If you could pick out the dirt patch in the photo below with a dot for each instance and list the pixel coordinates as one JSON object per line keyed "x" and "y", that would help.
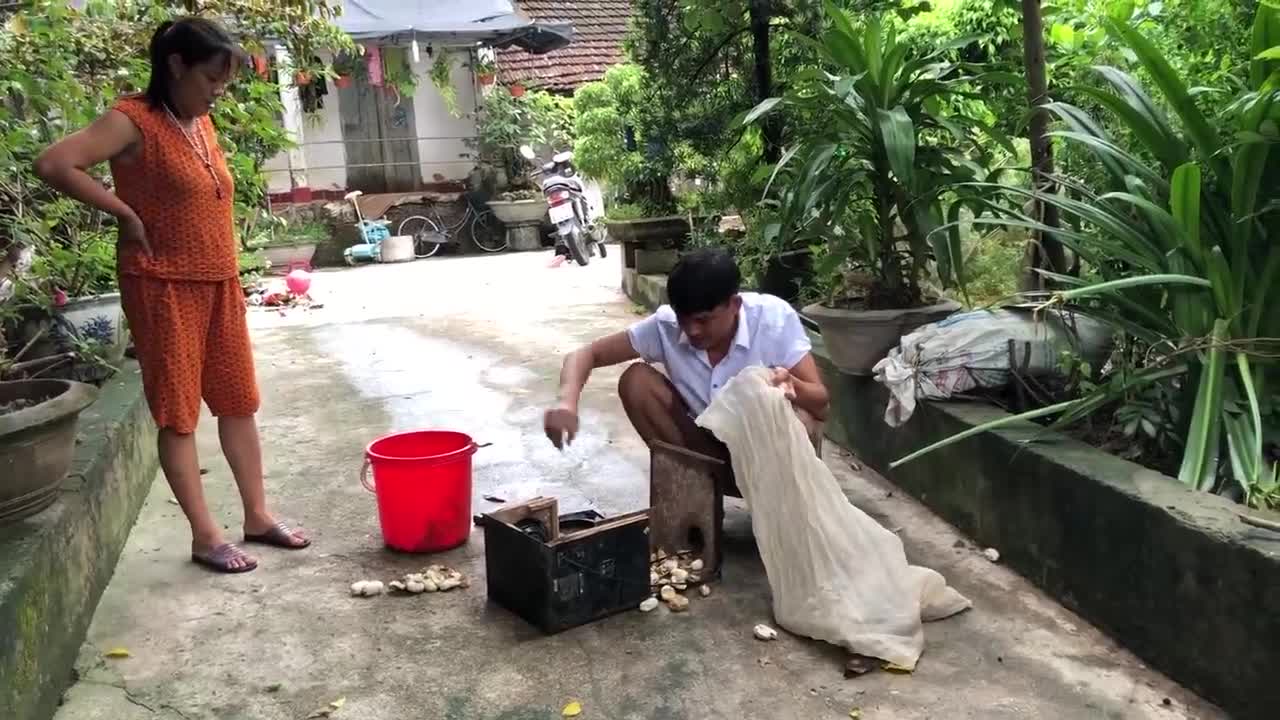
{"x": 14, "y": 406}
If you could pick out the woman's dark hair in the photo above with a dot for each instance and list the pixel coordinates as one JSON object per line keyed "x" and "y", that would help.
{"x": 702, "y": 281}
{"x": 195, "y": 40}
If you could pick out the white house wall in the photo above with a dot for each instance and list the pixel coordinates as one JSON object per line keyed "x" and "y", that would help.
{"x": 442, "y": 151}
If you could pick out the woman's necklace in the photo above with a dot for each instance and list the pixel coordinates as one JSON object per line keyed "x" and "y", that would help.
{"x": 201, "y": 150}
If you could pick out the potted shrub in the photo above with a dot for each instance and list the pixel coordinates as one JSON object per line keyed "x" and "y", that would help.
{"x": 38, "y": 421}
{"x": 68, "y": 307}
{"x": 288, "y": 245}
{"x": 865, "y": 184}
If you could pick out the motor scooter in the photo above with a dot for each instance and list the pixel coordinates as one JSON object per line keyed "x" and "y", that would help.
{"x": 567, "y": 206}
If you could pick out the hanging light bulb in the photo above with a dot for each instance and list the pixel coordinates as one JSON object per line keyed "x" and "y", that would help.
{"x": 416, "y": 56}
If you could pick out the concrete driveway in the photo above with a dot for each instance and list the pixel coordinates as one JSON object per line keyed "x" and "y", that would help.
{"x": 475, "y": 344}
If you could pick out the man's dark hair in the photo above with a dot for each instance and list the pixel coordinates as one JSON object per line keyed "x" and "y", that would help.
{"x": 195, "y": 40}
{"x": 703, "y": 280}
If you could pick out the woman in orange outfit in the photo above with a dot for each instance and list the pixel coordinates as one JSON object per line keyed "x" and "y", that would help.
{"x": 179, "y": 275}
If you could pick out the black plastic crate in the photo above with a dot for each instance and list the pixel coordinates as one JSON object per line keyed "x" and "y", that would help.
{"x": 557, "y": 581}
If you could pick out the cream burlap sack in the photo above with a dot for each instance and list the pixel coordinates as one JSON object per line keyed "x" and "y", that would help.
{"x": 836, "y": 574}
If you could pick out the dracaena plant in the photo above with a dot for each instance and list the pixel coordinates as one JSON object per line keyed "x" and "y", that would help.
{"x": 1185, "y": 237}
{"x": 873, "y": 161}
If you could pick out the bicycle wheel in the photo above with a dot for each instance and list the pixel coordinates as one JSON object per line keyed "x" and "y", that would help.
{"x": 427, "y": 237}
{"x": 485, "y": 235}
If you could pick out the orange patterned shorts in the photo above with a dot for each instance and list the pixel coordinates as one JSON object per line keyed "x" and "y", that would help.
{"x": 192, "y": 343}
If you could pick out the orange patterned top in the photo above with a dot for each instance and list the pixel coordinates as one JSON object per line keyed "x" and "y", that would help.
{"x": 189, "y": 225}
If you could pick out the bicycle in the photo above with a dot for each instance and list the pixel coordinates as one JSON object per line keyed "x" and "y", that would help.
{"x": 430, "y": 233}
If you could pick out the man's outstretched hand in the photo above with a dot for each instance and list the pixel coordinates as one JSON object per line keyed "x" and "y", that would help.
{"x": 561, "y": 426}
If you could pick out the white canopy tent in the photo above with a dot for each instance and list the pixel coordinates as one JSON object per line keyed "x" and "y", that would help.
{"x": 474, "y": 22}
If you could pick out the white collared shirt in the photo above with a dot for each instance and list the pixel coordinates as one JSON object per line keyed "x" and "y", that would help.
{"x": 769, "y": 335}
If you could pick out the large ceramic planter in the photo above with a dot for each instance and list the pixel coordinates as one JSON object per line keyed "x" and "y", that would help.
{"x": 519, "y": 212}
{"x": 857, "y": 339}
{"x": 37, "y": 441}
{"x": 660, "y": 233}
{"x": 99, "y": 319}
{"x": 284, "y": 258}
{"x": 786, "y": 274}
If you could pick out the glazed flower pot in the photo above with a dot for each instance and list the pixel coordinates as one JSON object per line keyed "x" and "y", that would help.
{"x": 99, "y": 319}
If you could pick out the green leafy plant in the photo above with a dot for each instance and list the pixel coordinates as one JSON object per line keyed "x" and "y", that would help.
{"x": 1188, "y": 254}
{"x": 442, "y": 78}
{"x": 616, "y": 143}
{"x": 868, "y": 176}
{"x": 65, "y": 65}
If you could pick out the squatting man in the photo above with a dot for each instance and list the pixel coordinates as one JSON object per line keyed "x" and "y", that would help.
{"x": 710, "y": 332}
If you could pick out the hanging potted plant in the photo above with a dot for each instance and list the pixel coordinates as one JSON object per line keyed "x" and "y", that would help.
{"x": 345, "y": 68}
{"x": 516, "y": 89}
{"x": 442, "y": 79}
{"x": 866, "y": 190}
{"x": 486, "y": 73}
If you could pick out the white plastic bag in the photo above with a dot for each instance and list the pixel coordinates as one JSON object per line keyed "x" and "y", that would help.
{"x": 971, "y": 350}
{"x": 836, "y": 574}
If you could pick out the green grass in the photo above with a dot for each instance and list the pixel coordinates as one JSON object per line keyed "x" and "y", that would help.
{"x": 294, "y": 234}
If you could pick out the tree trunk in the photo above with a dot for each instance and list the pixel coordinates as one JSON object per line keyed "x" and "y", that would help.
{"x": 761, "y": 12}
{"x": 1046, "y": 252}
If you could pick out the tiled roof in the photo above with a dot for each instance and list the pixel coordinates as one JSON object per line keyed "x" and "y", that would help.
{"x": 598, "y": 29}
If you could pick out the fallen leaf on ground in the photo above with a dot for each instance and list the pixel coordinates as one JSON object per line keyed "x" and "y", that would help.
{"x": 898, "y": 669}
{"x": 856, "y": 714}
{"x": 274, "y": 687}
{"x": 326, "y": 712}
{"x": 573, "y": 709}
{"x": 117, "y": 653}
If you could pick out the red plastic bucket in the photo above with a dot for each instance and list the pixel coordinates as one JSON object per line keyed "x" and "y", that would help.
{"x": 422, "y": 480}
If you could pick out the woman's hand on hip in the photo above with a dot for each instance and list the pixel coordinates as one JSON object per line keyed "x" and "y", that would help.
{"x": 133, "y": 231}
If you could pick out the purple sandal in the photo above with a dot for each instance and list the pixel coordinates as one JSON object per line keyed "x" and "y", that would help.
{"x": 219, "y": 559}
{"x": 279, "y": 535}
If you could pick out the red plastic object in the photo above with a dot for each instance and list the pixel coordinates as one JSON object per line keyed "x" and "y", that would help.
{"x": 298, "y": 281}
{"x": 422, "y": 480}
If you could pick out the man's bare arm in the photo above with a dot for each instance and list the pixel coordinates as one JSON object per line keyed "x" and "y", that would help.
{"x": 811, "y": 392}
{"x": 561, "y": 422}
{"x": 605, "y": 352}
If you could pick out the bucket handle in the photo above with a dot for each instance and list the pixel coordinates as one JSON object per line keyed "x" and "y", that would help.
{"x": 367, "y": 481}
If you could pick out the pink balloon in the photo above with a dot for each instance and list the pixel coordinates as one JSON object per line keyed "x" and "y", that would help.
{"x": 298, "y": 282}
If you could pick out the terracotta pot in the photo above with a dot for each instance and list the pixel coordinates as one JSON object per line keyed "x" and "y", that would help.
{"x": 487, "y": 79}
{"x": 302, "y": 78}
{"x": 517, "y": 90}
{"x": 858, "y": 339}
{"x": 343, "y": 81}
{"x": 38, "y": 442}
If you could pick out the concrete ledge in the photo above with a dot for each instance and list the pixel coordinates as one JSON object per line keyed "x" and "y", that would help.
{"x": 649, "y": 291}
{"x": 54, "y": 566}
{"x": 1171, "y": 574}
